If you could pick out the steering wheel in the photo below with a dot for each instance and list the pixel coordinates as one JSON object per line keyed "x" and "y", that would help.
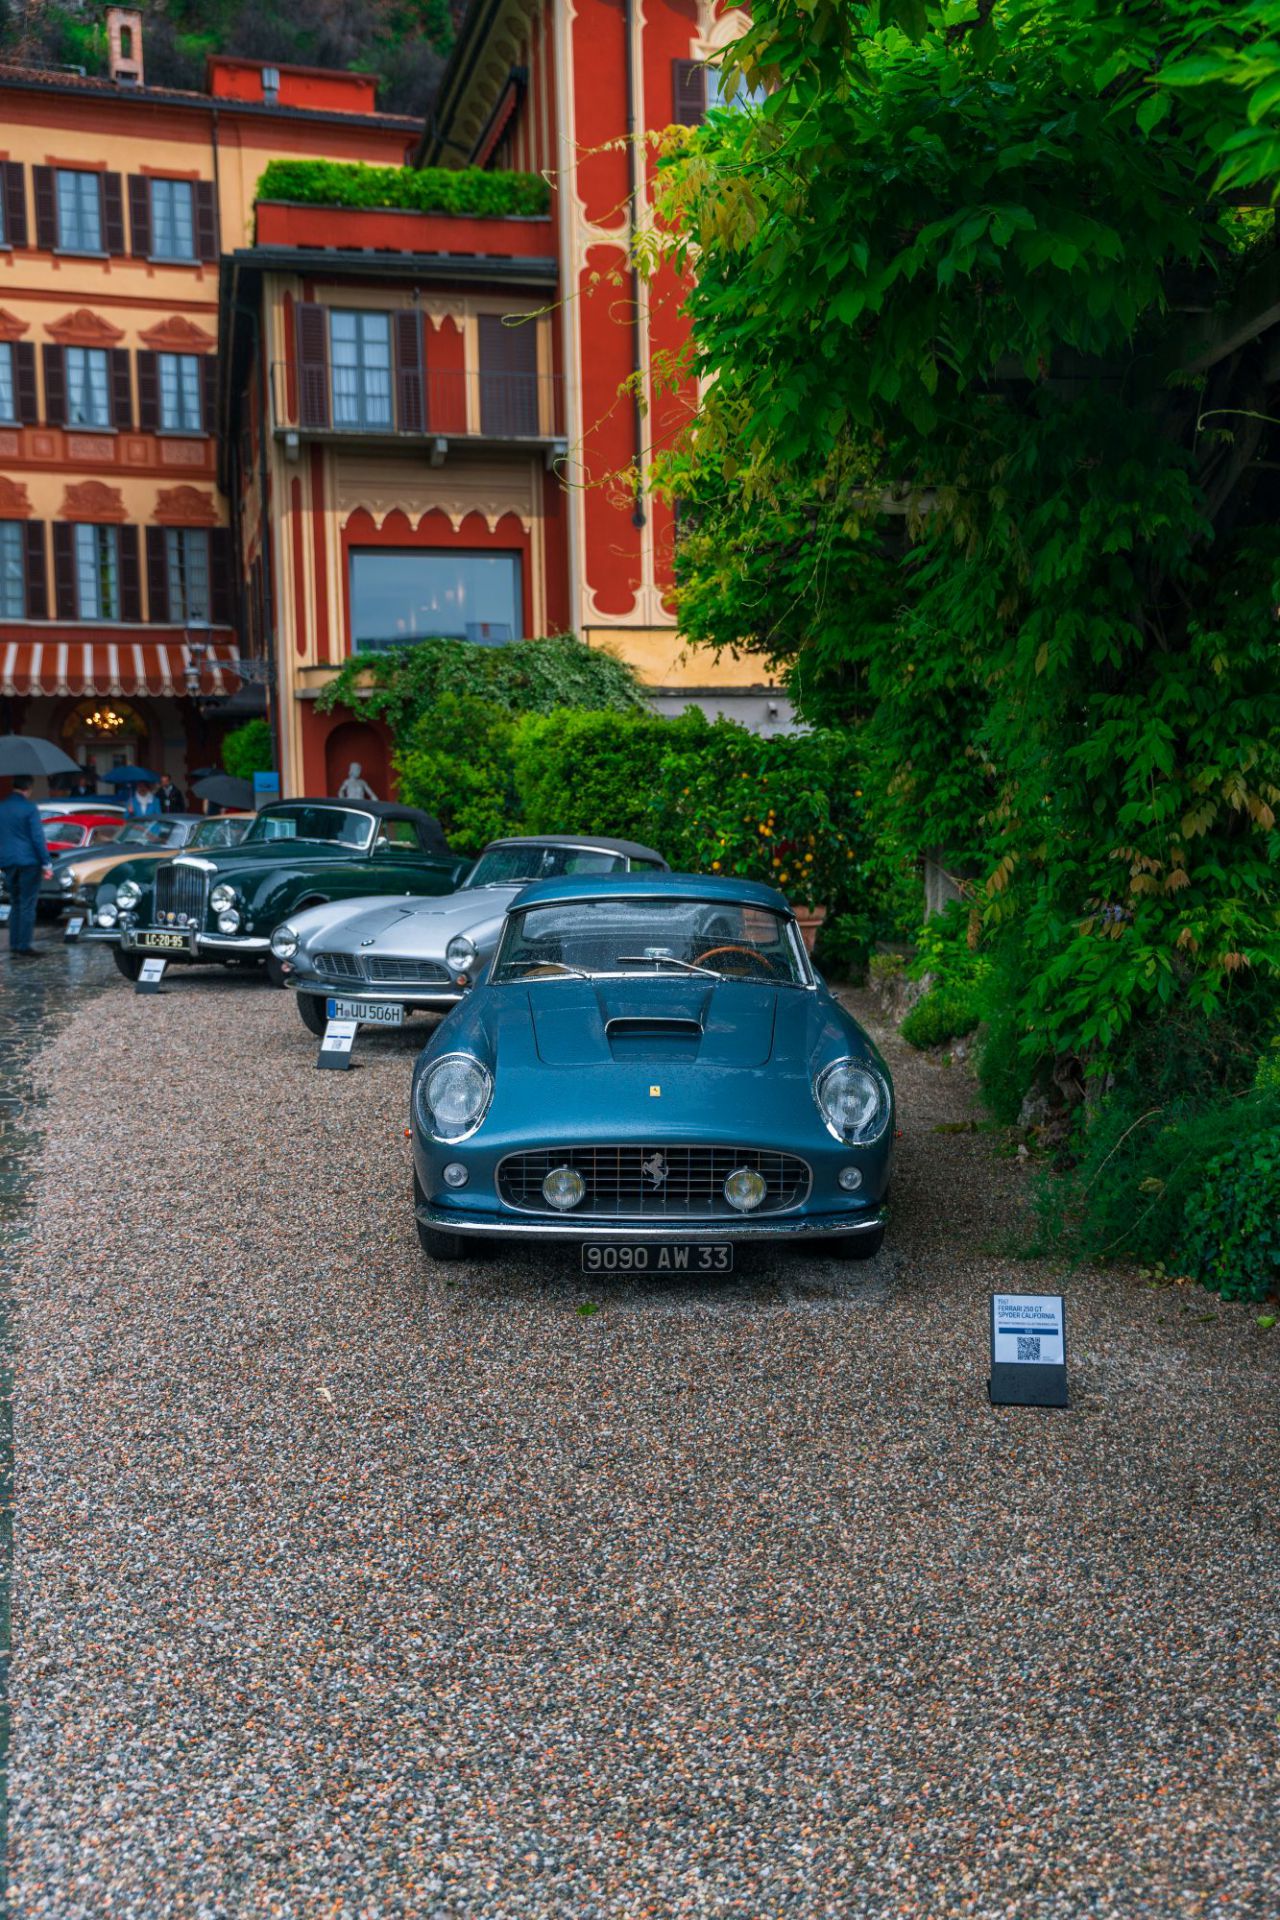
{"x": 752, "y": 954}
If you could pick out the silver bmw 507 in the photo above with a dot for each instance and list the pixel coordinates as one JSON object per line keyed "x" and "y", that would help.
{"x": 377, "y": 959}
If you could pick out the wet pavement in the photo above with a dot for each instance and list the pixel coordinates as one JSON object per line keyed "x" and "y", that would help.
{"x": 36, "y": 999}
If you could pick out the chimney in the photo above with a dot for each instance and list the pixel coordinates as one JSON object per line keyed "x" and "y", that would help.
{"x": 124, "y": 46}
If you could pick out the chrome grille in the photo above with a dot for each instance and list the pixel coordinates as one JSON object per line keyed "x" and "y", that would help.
{"x": 181, "y": 894}
{"x": 338, "y": 966}
{"x": 659, "y": 1181}
{"x": 380, "y": 970}
{"x": 387, "y": 972}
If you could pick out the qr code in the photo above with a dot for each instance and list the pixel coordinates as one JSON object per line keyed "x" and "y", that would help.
{"x": 1028, "y": 1346}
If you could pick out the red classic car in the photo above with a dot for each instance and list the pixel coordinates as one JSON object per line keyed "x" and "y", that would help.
{"x": 67, "y": 833}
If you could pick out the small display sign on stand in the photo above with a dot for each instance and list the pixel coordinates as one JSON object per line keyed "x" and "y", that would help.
{"x": 335, "y": 1048}
{"x": 74, "y": 928}
{"x": 152, "y": 974}
{"x": 1028, "y": 1350}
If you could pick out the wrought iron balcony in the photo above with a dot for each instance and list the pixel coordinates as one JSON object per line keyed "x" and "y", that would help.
{"x": 375, "y": 409}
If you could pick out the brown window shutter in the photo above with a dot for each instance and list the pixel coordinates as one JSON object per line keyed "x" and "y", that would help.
{"x": 46, "y": 207}
{"x": 112, "y": 213}
{"x": 148, "y": 392}
{"x": 220, "y": 577}
{"x": 37, "y": 579}
{"x": 65, "y": 596}
{"x": 55, "y": 387}
{"x": 130, "y": 574}
{"x": 140, "y": 214}
{"x": 157, "y": 576}
{"x": 208, "y": 392}
{"x": 206, "y": 221}
{"x": 15, "y": 204}
{"x": 121, "y": 388}
{"x": 508, "y": 377}
{"x": 313, "y": 365}
{"x": 410, "y": 410}
{"x": 24, "y": 383}
{"x": 689, "y": 92}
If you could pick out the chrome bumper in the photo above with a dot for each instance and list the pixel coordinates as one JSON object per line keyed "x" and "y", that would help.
{"x": 441, "y": 996}
{"x": 789, "y": 1227}
{"x": 197, "y": 943}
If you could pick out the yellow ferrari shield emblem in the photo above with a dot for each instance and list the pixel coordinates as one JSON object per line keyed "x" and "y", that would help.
{"x": 655, "y": 1093}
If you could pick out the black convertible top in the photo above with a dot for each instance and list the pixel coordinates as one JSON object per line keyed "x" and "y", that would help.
{"x": 589, "y": 842}
{"x": 429, "y": 827}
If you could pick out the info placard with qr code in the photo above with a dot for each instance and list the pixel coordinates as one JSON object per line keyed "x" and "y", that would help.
{"x": 1028, "y": 1349}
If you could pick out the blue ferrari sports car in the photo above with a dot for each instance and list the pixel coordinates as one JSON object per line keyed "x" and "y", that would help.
{"x": 650, "y": 1067}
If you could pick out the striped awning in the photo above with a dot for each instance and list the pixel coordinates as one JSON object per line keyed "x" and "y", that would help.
{"x": 124, "y": 667}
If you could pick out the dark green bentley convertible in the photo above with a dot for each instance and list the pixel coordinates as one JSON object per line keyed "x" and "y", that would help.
{"x": 298, "y": 853}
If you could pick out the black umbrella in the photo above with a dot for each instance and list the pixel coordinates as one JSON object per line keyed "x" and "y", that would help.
{"x": 19, "y": 754}
{"x": 130, "y": 776}
{"x": 226, "y": 791}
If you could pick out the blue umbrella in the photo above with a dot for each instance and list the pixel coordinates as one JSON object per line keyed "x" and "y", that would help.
{"x": 129, "y": 776}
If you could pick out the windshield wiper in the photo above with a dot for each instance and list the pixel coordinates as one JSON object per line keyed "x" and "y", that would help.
{"x": 665, "y": 960}
{"x": 562, "y": 966}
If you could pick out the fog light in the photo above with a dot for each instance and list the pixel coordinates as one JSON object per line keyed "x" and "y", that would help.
{"x": 106, "y": 916}
{"x": 228, "y": 922}
{"x": 850, "y": 1178}
{"x": 563, "y": 1188}
{"x": 455, "y": 1175}
{"x": 745, "y": 1189}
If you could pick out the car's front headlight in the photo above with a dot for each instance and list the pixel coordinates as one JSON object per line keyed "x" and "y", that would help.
{"x": 284, "y": 942}
{"x": 453, "y": 1096}
{"x": 128, "y": 894}
{"x": 854, "y": 1101}
{"x": 223, "y": 898}
{"x": 460, "y": 954}
{"x": 66, "y": 880}
{"x": 106, "y": 916}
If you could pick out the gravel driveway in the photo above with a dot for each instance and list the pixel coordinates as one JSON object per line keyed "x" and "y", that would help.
{"x": 346, "y": 1587}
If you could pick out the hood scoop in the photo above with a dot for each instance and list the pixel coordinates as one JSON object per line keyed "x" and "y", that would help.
{"x": 634, "y": 1036}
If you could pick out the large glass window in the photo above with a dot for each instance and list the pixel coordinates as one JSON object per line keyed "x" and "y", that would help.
{"x": 79, "y": 211}
{"x": 13, "y": 597}
{"x": 173, "y": 231}
{"x": 187, "y": 554}
{"x": 88, "y": 395}
{"x": 360, "y": 357}
{"x": 399, "y": 596}
{"x": 180, "y": 408}
{"x": 97, "y": 573}
{"x": 8, "y": 398}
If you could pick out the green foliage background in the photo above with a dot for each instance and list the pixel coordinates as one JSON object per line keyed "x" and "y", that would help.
{"x": 337, "y": 183}
{"x": 248, "y": 750}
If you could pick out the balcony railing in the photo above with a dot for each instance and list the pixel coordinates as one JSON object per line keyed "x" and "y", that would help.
{"x": 514, "y": 409}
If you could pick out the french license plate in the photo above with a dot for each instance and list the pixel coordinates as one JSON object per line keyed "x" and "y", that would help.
{"x": 167, "y": 942}
{"x": 679, "y": 1256}
{"x": 370, "y": 1013}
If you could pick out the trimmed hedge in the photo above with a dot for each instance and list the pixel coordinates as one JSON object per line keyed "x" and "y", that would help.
{"x": 341, "y": 183}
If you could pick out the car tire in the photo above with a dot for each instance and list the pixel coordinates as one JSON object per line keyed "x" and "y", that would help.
{"x": 129, "y": 964}
{"x": 857, "y": 1246}
{"x": 312, "y": 1013}
{"x": 436, "y": 1244}
{"x": 275, "y": 973}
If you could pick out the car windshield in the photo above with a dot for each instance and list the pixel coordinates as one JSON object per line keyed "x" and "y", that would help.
{"x": 326, "y": 826}
{"x": 511, "y": 866}
{"x": 102, "y": 836}
{"x": 720, "y": 939}
{"x": 220, "y": 833}
{"x": 146, "y": 833}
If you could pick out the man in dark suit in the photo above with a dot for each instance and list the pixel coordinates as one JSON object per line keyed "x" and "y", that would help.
{"x": 24, "y": 859}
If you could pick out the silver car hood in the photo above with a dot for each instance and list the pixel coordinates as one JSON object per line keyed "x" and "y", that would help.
{"x": 404, "y": 926}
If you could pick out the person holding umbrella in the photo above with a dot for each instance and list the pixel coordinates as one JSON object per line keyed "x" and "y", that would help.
{"x": 24, "y": 857}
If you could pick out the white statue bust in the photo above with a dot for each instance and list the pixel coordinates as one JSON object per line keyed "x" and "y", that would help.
{"x": 353, "y": 787}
